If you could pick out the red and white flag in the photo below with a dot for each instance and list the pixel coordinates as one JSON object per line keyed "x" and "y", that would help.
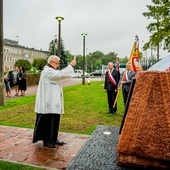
{"x": 134, "y": 56}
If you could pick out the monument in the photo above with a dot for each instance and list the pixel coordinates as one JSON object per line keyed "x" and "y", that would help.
{"x": 145, "y": 136}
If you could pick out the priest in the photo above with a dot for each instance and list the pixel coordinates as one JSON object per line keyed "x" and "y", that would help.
{"x": 49, "y": 101}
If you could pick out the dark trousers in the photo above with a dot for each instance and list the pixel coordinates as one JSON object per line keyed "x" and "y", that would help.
{"x": 125, "y": 96}
{"x": 111, "y": 96}
{"x": 46, "y": 127}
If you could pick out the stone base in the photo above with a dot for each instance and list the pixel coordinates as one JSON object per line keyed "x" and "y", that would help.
{"x": 134, "y": 161}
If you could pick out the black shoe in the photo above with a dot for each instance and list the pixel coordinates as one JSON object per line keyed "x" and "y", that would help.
{"x": 59, "y": 142}
{"x": 109, "y": 112}
{"x": 50, "y": 145}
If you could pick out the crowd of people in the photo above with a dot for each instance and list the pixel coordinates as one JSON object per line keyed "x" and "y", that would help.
{"x": 16, "y": 79}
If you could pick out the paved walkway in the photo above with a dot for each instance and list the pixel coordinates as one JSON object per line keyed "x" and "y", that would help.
{"x": 16, "y": 146}
{"x": 16, "y": 143}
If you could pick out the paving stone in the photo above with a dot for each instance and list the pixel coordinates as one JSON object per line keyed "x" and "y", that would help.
{"x": 20, "y": 149}
{"x": 19, "y": 157}
{"x": 3, "y": 154}
{"x": 99, "y": 152}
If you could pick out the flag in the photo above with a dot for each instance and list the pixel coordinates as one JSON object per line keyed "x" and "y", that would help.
{"x": 134, "y": 56}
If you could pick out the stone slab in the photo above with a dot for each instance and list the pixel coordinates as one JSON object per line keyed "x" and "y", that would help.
{"x": 99, "y": 152}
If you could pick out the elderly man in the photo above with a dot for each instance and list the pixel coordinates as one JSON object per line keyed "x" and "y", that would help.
{"x": 111, "y": 86}
{"x": 126, "y": 80}
{"x": 49, "y": 101}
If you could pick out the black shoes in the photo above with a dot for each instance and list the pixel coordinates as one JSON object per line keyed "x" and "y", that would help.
{"x": 50, "y": 145}
{"x": 59, "y": 142}
{"x": 111, "y": 112}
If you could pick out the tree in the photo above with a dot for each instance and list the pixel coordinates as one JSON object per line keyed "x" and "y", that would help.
{"x": 63, "y": 57}
{"x": 79, "y": 61}
{"x": 35, "y": 61}
{"x": 69, "y": 55}
{"x": 40, "y": 64}
{"x": 110, "y": 57}
{"x": 25, "y": 63}
{"x": 54, "y": 51}
{"x": 160, "y": 29}
{"x": 124, "y": 60}
{"x": 53, "y": 47}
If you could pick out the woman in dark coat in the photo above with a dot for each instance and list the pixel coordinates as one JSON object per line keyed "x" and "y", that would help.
{"x": 22, "y": 81}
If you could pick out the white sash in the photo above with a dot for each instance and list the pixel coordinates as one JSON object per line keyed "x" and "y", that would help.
{"x": 125, "y": 78}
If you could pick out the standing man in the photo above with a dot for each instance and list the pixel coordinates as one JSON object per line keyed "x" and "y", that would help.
{"x": 111, "y": 85}
{"x": 49, "y": 101}
{"x": 126, "y": 80}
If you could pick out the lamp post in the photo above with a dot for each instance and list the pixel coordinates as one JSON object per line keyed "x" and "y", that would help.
{"x": 147, "y": 59}
{"x": 59, "y": 18}
{"x": 2, "y": 96}
{"x": 54, "y": 44}
{"x": 83, "y": 77}
{"x": 86, "y": 59}
{"x": 17, "y": 39}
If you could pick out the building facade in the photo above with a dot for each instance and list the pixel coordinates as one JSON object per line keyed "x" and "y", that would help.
{"x": 13, "y": 52}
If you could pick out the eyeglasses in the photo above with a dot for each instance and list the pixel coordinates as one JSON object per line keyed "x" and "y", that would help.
{"x": 56, "y": 63}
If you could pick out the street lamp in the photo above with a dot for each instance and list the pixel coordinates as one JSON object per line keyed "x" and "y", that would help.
{"x": 83, "y": 77}
{"x": 147, "y": 59}
{"x": 17, "y": 39}
{"x": 86, "y": 59}
{"x": 59, "y": 18}
{"x": 54, "y": 44}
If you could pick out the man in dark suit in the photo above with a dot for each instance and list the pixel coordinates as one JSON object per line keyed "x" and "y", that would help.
{"x": 111, "y": 86}
{"x": 126, "y": 80}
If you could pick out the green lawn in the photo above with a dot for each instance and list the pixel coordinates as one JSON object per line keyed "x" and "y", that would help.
{"x": 15, "y": 166}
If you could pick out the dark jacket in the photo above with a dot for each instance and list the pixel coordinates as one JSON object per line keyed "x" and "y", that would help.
{"x": 108, "y": 85}
{"x": 127, "y": 84}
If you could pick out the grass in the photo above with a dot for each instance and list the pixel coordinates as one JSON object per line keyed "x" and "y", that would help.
{"x": 15, "y": 166}
{"x": 85, "y": 109}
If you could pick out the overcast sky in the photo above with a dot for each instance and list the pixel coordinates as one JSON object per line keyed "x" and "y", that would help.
{"x": 111, "y": 25}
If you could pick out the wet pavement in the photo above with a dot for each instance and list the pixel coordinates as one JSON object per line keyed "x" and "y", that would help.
{"x": 16, "y": 146}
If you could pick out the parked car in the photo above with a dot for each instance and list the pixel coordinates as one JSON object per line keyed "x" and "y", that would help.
{"x": 79, "y": 73}
{"x": 96, "y": 73}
